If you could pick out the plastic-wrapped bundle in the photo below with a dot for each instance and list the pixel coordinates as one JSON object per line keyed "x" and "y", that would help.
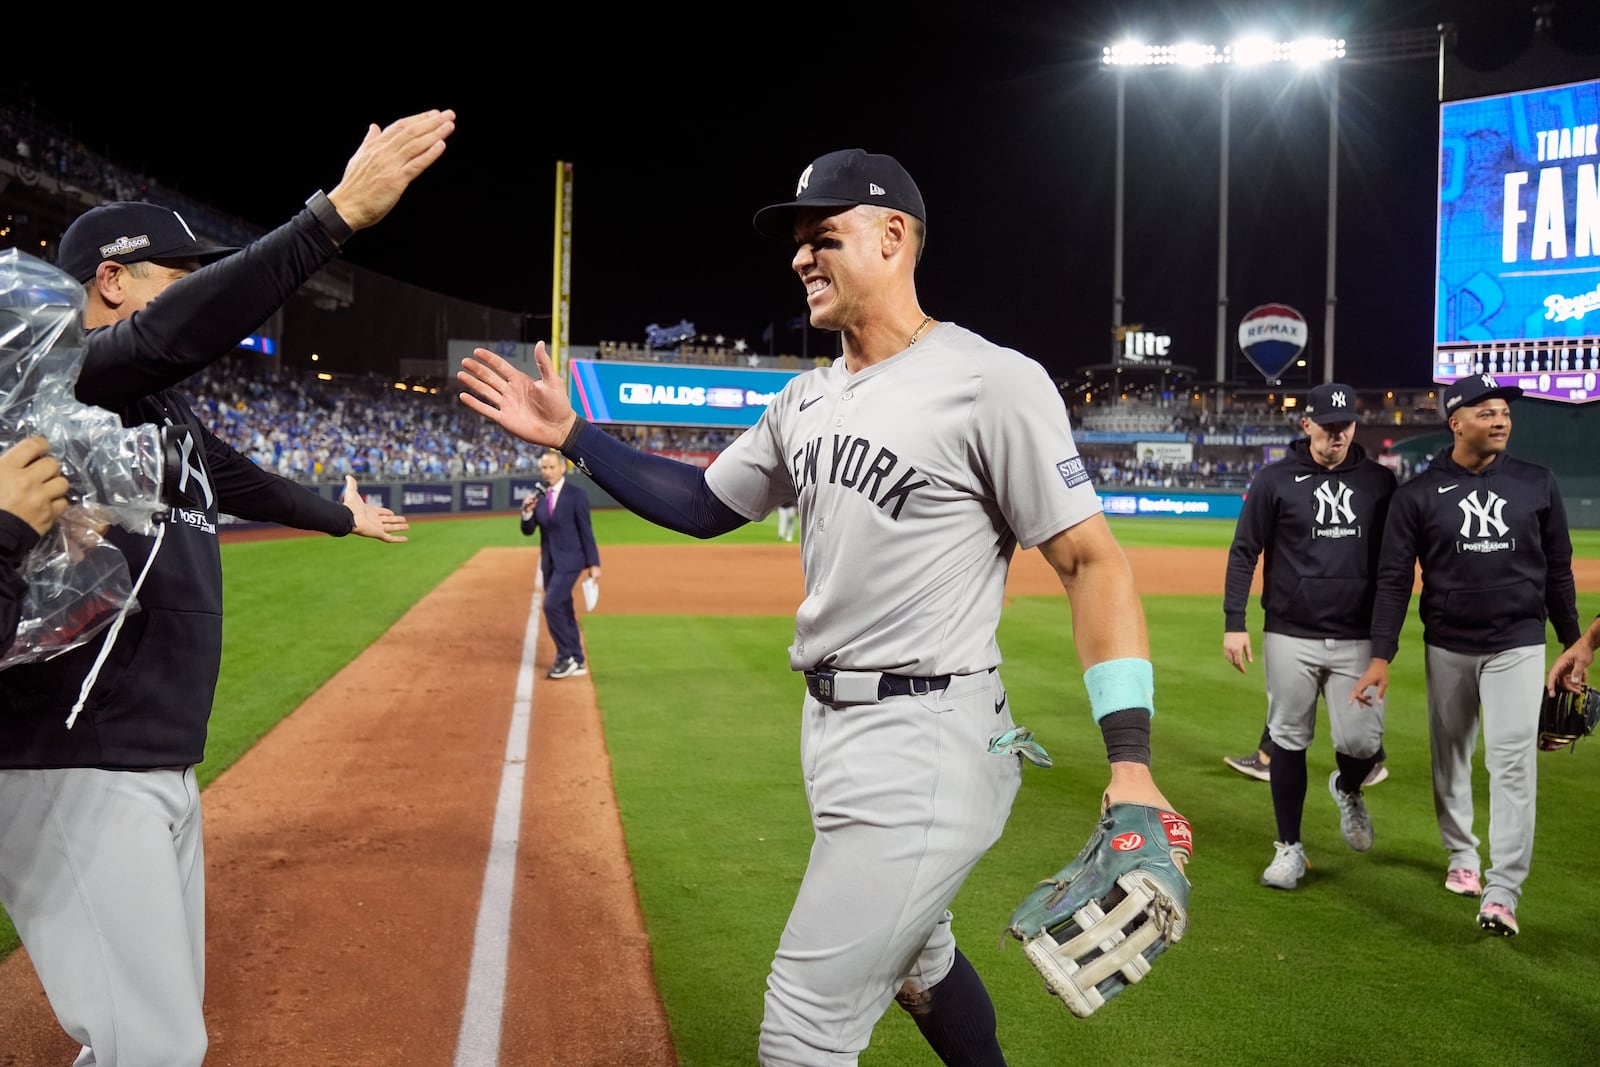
{"x": 77, "y": 580}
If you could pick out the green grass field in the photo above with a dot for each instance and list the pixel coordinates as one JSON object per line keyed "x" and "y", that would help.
{"x": 1370, "y": 961}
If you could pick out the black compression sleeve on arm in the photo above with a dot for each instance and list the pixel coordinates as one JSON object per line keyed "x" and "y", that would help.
{"x": 664, "y": 491}
{"x": 1127, "y": 736}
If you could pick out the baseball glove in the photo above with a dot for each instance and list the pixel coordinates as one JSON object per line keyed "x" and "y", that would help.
{"x": 1095, "y": 927}
{"x": 1567, "y": 716}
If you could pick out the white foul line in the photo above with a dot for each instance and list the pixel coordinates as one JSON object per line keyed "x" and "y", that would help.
{"x": 478, "y": 1043}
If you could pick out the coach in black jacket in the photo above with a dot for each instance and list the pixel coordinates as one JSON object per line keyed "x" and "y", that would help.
{"x": 567, "y": 552}
{"x": 1314, "y": 517}
{"x": 101, "y": 854}
{"x": 1491, "y": 533}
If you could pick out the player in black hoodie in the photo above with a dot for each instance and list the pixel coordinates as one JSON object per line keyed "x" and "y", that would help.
{"x": 1491, "y": 533}
{"x": 1316, "y": 515}
{"x": 101, "y": 854}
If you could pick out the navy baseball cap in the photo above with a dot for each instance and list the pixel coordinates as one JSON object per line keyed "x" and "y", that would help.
{"x": 130, "y": 231}
{"x": 843, "y": 179}
{"x": 1475, "y": 389}
{"x": 1330, "y": 402}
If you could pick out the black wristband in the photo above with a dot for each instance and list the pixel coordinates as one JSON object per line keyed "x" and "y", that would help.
{"x": 1127, "y": 736}
{"x": 572, "y": 435}
{"x": 333, "y": 223}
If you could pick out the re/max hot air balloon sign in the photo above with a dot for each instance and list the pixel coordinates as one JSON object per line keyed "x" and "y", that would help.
{"x": 1272, "y": 337}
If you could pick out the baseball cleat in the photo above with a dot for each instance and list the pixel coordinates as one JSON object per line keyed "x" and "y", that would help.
{"x": 1499, "y": 920}
{"x": 1251, "y": 766}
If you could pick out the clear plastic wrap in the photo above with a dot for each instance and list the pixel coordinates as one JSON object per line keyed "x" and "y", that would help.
{"x": 77, "y": 580}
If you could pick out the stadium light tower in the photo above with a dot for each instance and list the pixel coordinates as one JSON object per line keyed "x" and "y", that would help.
{"x": 1231, "y": 59}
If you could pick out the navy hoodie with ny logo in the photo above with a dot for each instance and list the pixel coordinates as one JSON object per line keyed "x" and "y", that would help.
{"x": 1496, "y": 559}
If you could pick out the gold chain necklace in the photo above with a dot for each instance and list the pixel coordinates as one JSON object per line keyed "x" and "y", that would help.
{"x": 923, "y": 325}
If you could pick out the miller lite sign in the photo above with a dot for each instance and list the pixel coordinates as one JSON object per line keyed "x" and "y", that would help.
{"x": 1272, "y": 337}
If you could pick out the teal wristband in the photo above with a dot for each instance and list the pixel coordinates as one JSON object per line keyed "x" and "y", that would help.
{"x": 1116, "y": 684}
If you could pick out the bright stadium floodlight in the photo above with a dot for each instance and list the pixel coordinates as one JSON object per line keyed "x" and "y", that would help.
{"x": 1243, "y": 53}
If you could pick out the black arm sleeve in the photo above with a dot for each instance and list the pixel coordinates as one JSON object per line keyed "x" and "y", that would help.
{"x": 1127, "y": 736}
{"x": 661, "y": 490}
{"x": 202, "y": 317}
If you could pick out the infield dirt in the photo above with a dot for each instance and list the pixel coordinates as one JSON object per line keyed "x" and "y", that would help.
{"x": 346, "y": 850}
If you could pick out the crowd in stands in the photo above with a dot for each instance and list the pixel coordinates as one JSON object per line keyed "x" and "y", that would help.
{"x": 315, "y": 430}
{"x": 43, "y": 152}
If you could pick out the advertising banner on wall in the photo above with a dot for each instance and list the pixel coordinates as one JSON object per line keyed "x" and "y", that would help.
{"x": 670, "y": 394}
{"x": 1167, "y": 453}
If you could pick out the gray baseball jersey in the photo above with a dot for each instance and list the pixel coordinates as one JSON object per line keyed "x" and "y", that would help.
{"x": 917, "y": 479}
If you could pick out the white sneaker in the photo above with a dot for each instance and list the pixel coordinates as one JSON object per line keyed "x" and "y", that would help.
{"x": 1354, "y": 823}
{"x": 1287, "y": 867}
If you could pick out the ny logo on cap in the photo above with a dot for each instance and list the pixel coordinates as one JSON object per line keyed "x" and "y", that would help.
{"x": 1488, "y": 380}
{"x": 805, "y": 180}
{"x": 1338, "y": 399}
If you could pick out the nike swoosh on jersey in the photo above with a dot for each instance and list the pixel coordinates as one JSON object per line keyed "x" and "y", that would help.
{"x": 807, "y": 403}
{"x": 999, "y": 705}
{"x": 1446, "y": 488}
{"x": 1301, "y": 477}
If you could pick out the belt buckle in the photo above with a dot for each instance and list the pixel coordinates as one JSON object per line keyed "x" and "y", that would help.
{"x": 920, "y": 687}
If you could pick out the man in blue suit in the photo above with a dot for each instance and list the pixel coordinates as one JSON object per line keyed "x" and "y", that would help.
{"x": 567, "y": 552}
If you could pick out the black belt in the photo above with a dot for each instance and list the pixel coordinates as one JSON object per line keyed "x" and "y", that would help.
{"x": 853, "y": 687}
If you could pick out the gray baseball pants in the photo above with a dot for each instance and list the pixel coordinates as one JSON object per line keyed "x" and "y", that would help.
{"x": 905, "y": 798}
{"x": 103, "y": 874}
{"x": 1298, "y": 670}
{"x": 1508, "y": 686}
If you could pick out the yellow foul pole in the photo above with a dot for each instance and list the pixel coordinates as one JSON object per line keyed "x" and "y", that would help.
{"x": 561, "y": 277}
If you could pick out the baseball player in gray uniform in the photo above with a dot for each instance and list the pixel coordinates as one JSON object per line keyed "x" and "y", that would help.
{"x": 1317, "y": 515}
{"x": 1491, "y": 534}
{"x": 921, "y": 459}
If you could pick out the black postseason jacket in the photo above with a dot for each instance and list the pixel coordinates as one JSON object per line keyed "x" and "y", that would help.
{"x": 1319, "y": 531}
{"x": 17, "y": 539}
{"x": 149, "y": 701}
{"x": 1496, "y": 559}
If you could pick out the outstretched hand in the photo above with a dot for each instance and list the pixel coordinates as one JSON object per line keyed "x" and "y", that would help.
{"x": 388, "y": 160}
{"x": 534, "y": 409}
{"x": 378, "y": 523}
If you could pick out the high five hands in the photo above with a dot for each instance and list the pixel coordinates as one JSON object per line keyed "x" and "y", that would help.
{"x": 533, "y": 409}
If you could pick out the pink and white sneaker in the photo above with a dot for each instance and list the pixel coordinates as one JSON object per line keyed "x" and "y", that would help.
{"x": 1499, "y": 920}
{"x": 1463, "y": 882}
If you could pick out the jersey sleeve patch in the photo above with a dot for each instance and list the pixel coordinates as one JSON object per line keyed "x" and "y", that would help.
{"x": 1072, "y": 472}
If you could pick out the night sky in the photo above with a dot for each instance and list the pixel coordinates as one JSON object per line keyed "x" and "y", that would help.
{"x": 679, "y": 126}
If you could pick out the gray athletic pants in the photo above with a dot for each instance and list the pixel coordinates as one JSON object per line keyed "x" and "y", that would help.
{"x": 102, "y": 872}
{"x": 905, "y": 798}
{"x": 1508, "y": 686}
{"x": 1298, "y": 670}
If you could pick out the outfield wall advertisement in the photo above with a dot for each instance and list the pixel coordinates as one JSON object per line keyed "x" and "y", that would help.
{"x": 669, "y": 394}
